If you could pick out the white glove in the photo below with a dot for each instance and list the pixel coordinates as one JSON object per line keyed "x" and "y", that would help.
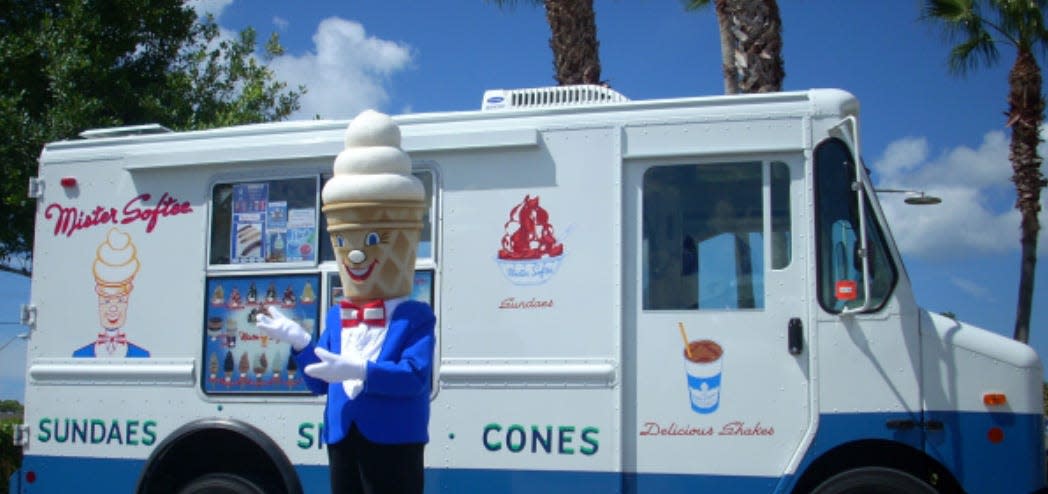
{"x": 279, "y": 327}
{"x": 338, "y": 368}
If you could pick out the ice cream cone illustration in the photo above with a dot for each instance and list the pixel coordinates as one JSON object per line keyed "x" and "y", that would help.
{"x": 374, "y": 208}
{"x": 114, "y": 268}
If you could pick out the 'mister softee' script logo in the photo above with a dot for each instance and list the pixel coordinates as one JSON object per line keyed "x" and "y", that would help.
{"x": 69, "y": 220}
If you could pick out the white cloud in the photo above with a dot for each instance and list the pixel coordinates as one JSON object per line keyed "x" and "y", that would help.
{"x": 280, "y": 23}
{"x": 976, "y": 216}
{"x": 347, "y": 72}
{"x": 976, "y": 290}
{"x": 213, "y": 7}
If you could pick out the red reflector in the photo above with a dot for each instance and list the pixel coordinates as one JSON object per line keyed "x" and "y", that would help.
{"x": 995, "y": 399}
{"x": 847, "y": 290}
{"x": 995, "y": 435}
{"x": 68, "y": 182}
{"x": 30, "y": 476}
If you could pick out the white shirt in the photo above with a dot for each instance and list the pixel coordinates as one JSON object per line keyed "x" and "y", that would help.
{"x": 366, "y": 340}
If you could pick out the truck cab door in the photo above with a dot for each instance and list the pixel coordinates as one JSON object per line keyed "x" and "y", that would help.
{"x": 716, "y": 324}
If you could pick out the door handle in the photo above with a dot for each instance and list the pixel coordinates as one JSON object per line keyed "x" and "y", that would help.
{"x": 901, "y": 424}
{"x": 795, "y": 336}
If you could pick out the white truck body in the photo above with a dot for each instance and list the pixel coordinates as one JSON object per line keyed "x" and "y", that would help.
{"x": 571, "y": 250}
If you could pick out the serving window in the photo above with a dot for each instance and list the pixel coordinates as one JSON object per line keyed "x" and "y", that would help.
{"x": 269, "y": 247}
{"x": 270, "y": 221}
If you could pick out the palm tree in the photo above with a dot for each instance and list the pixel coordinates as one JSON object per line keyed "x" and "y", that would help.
{"x": 573, "y": 27}
{"x": 981, "y": 26}
{"x": 751, "y": 58}
{"x": 751, "y": 44}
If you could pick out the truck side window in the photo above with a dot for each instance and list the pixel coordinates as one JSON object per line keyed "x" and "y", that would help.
{"x": 703, "y": 234}
{"x": 837, "y": 220}
{"x": 265, "y": 221}
{"x": 425, "y": 244}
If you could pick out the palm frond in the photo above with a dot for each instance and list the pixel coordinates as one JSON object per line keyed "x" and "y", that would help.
{"x": 950, "y": 11}
{"x": 695, "y": 4}
{"x": 513, "y": 3}
{"x": 972, "y": 53}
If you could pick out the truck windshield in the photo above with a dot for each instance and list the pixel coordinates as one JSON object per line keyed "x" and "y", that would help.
{"x": 838, "y": 250}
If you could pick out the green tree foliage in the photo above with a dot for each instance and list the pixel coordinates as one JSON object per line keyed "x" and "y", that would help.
{"x": 10, "y": 455}
{"x": 10, "y": 406}
{"x": 981, "y": 26}
{"x": 71, "y": 65}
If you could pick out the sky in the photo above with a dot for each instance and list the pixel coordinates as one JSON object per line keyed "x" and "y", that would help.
{"x": 922, "y": 127}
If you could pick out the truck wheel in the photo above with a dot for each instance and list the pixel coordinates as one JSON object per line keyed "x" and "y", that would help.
{"x": 221, "y": 483}
{"x": 874, "y": 480}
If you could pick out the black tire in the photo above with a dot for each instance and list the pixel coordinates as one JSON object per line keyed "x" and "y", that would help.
{"x": 221, "y": 483}
{"x": 874, "y": 480}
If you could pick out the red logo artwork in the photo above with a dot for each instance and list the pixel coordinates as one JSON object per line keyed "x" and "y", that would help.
{"x": 69, "y": 220}
{"x": 529, "y": 235}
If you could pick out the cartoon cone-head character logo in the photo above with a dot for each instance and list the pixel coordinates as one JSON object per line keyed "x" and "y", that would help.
{"x": 374, "y": 208}
{"x": 115, "y": 267}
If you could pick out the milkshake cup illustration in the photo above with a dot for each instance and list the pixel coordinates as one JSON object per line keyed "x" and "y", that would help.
{"x": 703, "y": 361}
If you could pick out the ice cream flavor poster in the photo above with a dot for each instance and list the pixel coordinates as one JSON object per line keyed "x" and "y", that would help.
{"x": 276, "y": 232}
{"x": 301, "y": 235}
{"x": 239, "y": 358}
{"x": 250, "y": 204}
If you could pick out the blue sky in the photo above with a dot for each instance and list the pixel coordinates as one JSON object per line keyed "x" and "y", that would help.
{"x": 922, "y": 128}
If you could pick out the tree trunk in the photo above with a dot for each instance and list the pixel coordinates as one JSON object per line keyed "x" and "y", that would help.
{"x": 1025, "y": 115}
{"x": 573, "y": 26}
{"x": 751, "y": 45}
{"x": 759, "y": 50}
{"x": 727, "y": 41}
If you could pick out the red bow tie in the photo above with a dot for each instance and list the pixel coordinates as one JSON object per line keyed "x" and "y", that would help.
{"x": 111, "y": 341}
{"x": 372, "y": 313}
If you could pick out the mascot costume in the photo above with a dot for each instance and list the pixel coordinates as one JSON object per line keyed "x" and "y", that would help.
{"x": 374, "y": 360}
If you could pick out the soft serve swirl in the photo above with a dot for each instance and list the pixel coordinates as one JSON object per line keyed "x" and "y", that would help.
{"x": 372, "y": 167}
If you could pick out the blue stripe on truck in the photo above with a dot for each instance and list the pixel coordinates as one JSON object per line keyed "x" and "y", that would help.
{"x": 962, "y": 445}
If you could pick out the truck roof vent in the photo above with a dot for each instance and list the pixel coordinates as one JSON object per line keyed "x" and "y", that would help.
{"x": 550, "y": 97}
{"x": 131, "y": 130}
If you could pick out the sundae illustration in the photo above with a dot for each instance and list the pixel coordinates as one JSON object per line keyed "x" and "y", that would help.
{"x": 307, "y": 294}
{"x": 115, "y": 267}
{"x": 530, "y": 253}
{"x": 218, "y": 297}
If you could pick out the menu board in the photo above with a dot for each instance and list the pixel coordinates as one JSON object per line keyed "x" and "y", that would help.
{"x": 238, "y": 358}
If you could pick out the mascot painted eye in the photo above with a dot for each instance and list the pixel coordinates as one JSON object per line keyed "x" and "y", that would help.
{"x": 341, "y": 242}
{"x": 372, "y": 239}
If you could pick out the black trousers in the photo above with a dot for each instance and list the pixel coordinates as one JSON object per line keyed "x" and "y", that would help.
{"x": 359, "y": 466}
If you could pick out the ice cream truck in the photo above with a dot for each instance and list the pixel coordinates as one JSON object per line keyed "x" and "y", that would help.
{"x": 676, "y": 295}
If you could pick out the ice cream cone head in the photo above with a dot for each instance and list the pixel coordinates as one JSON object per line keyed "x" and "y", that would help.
{"x": 374, "y": 208}
{"x": 375, "y": 247}
{"x": 115, "y": 266}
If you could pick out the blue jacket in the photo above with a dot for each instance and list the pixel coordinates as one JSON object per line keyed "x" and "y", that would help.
{"x": 393, "y": 407}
